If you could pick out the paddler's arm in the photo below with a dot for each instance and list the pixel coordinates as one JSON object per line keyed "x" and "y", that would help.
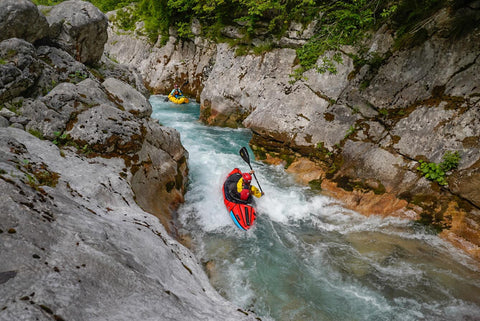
{"x": 256, "y": 192}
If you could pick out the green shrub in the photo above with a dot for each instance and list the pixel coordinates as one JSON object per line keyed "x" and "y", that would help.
{"x": 184, "y": 30}
{"x": 450, "y": 161}
{"x": 437, "y": 172}
{"x": 433, "y": 172}
{"x": 60, "y": 139}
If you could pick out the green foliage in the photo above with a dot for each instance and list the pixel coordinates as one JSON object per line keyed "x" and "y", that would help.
{"x": 77, "y": 76}
{"x": 450, "y": 161}
{"x": 156, "y": 16}
{"x": 126, "y": 18}
{"x": 351, "y": 130}
{"x": 36, "y": 133}
{"x": 433, "y": 172}
{"x": 184, "y": 30}
{"x": 47, "y": 2}
{"x": 437, "y": 172}
{"x": 383, "y": 112}
{"x": 343, "y": 23}
{"x": 387, "y": 12}
{"x": 60, "y": 139}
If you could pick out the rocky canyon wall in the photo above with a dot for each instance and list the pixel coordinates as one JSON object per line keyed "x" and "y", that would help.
{"x": 358, "y": 134}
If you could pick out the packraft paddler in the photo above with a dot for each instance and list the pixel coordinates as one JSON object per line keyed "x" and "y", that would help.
{"x": 176, "y": 92}
{"x": 245, "y": 189}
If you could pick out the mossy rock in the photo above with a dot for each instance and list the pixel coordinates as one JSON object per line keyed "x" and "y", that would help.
{"x": 316, "y": 184}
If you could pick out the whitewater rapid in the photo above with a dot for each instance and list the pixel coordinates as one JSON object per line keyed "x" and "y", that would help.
{"x": 307, "y": 257}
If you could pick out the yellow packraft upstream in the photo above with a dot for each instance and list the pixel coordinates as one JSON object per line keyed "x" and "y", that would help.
{"x": 179, "y": 100}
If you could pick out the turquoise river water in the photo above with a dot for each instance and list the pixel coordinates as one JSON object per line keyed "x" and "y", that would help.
{"x": 307, "y": 257}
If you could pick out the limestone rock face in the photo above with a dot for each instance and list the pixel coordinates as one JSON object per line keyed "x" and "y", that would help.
{"x": 163, "y": 66}
{"x": 75, "y": 246}
{"x": 106, "y": 129}
{"x": 22, "y": 19}
{"x": 79, "y": 28}
{"x": 58, "y": 67}
{"x": 438, "y": 68}
{"x": 61, "y": 105}
{"x": 163, "y": 171}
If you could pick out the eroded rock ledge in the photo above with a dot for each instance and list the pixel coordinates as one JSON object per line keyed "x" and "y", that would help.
{"x": 363, "y": 129}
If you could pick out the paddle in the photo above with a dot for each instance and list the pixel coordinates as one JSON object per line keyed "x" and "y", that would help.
{"x": 244, "y": 154}
{"x": 185, "y": 83}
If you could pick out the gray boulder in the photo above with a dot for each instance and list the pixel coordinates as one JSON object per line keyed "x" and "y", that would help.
{"x": 80, "y": 29}
{"x": 4, "y": 122}
{"x": 107, "y": 130}
{"x": 107, "y": 68}
{"x": 19, "y": 69}
{"x": 58, "y": 67}
{"x": 130, "y": 99}
{"x": 61, "y": 105}
{"x": 21, "y": 19}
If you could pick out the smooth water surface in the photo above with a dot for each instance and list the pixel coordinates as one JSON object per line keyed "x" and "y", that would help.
{"x": 307, "y": 257}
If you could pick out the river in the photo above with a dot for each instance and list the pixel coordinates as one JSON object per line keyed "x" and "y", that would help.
{"x": 307, "y": 257}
